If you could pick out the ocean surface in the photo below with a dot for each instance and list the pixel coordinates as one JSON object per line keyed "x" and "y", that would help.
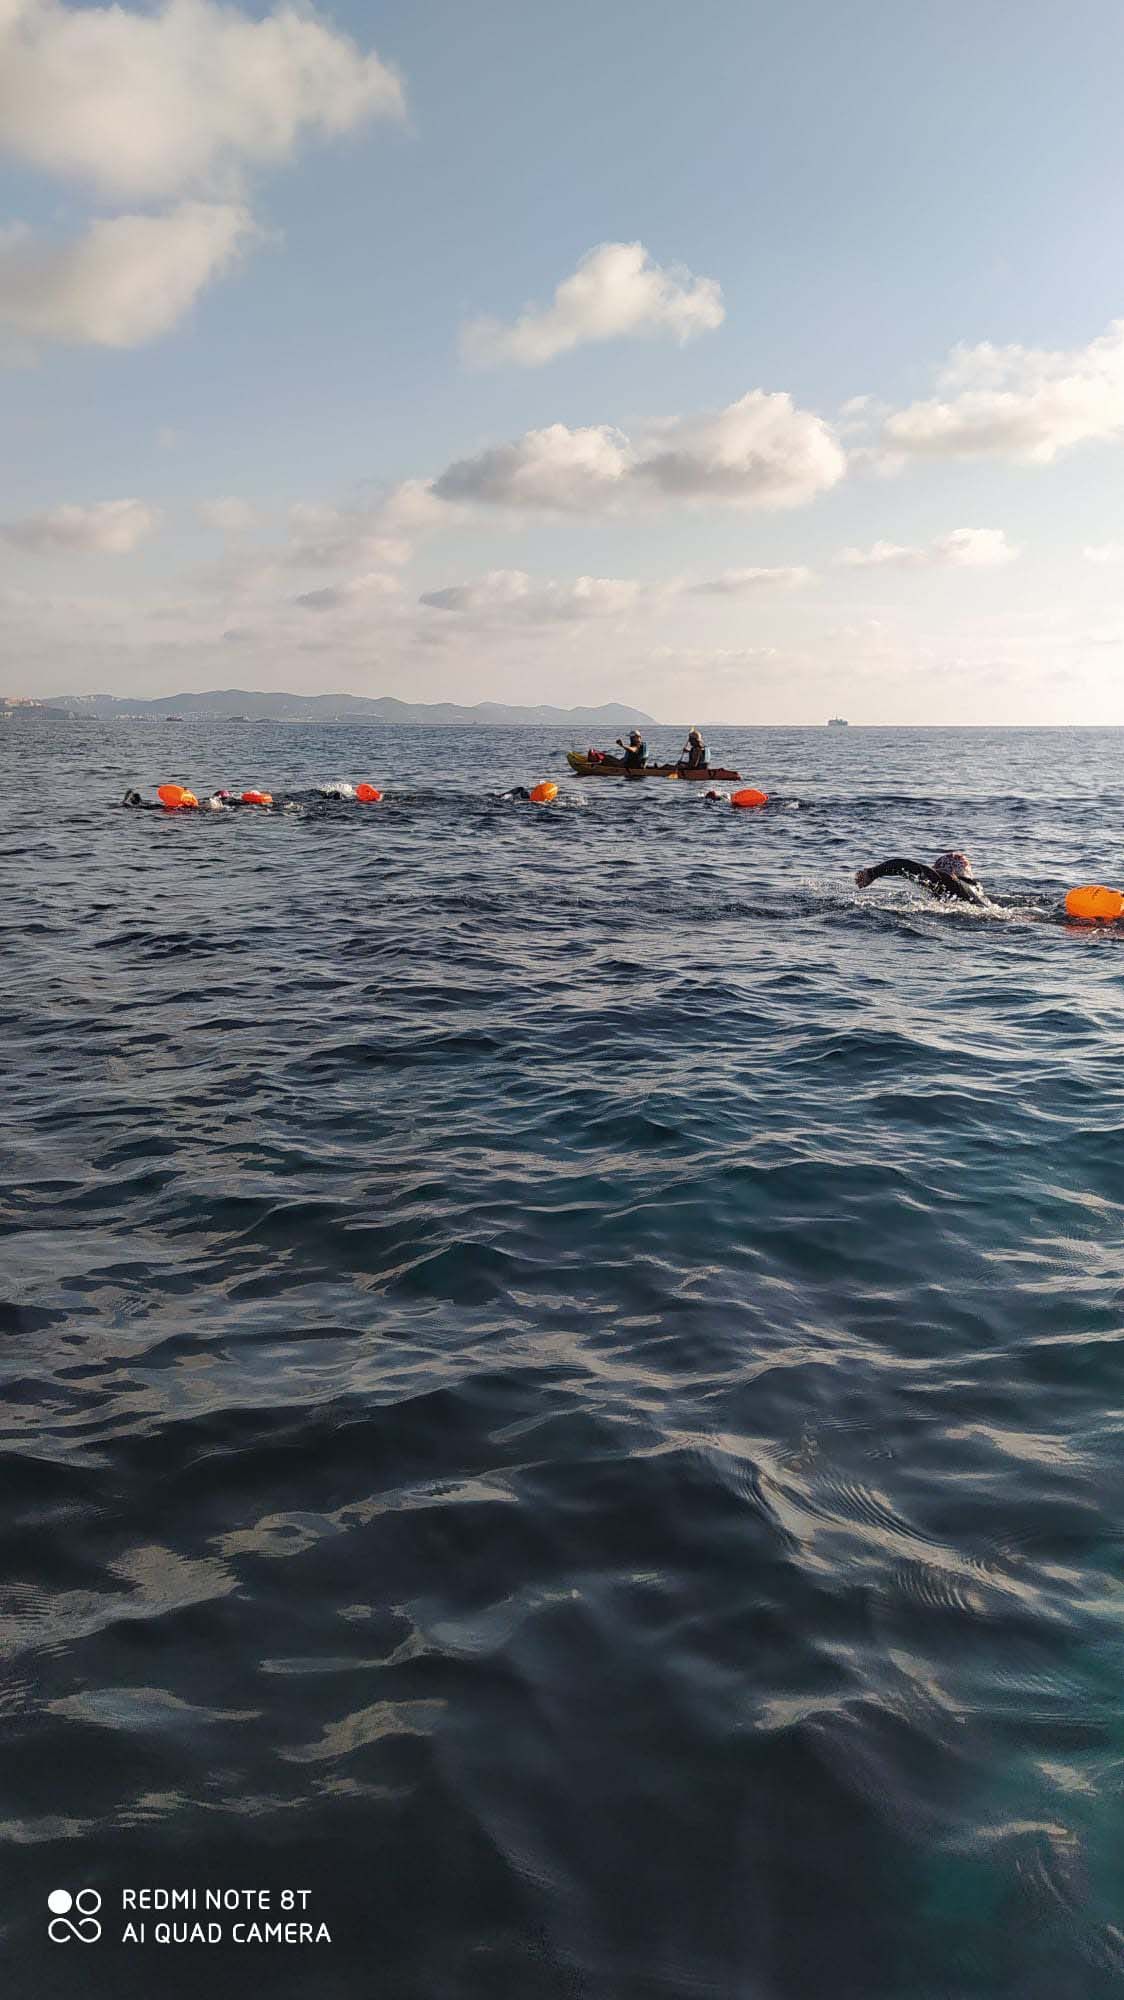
{"x": 562, "y": 1384}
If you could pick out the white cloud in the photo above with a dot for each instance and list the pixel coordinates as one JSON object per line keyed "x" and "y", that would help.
{"x": 556, "y": 468}
{"x": 340, "y": 537}
{"x": 1106, "y": 553}
{"x": 1017, "y": 402}
{"x": 125, "y": 280}
{"x": 760, "y": 451}
{"x": 359, "y": 547}
{"x": 744, "y": 582}
{"x": 975, "y": 548}
{"x": 152, "y": 103}
{"x": 229, "y": 516}
{"x": 616, "y": 290}
{"x": 892, "y": 555}
{"x": 505, "y": 593}
{"x": 341, "y": 596}
{"x": 963, "y": 548}
{"x": 512, "y": 593}
{"x": 411, "y": 508}
{"x": 110, "y": 527}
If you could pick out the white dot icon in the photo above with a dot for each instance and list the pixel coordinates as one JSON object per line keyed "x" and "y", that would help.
{"x": 60, "y": 1901}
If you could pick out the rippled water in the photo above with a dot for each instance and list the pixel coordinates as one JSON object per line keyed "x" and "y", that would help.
{"x": 561, "y": 1368}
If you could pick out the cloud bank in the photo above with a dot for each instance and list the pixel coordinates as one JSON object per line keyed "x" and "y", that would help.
{"x": 964, "y": 548}
{"x": 179, "y": 102}
{"x": 111, "y": 527}
{"x": 746, "y": 582}
{"x": 150, "y": 104}
{"x": 1025, "y": 403}
{"x": 511, "y": 592}
{"x": 761, "y": 451}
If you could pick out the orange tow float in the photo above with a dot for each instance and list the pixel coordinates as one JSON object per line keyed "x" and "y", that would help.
{"x": 369, "y": 794}
{"x": 1095, "y": 905}
{"x": 544, "y": 794}
{"x": 749, "y": 796}
{"x": 257, "y": 798}
{"x": 175, "y": 798}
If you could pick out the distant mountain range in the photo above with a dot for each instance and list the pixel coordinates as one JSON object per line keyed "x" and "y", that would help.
{"x": 238, "y": 704}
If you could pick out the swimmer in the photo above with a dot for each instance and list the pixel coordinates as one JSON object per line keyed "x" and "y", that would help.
{"x": 136, "y": 803}
{"x": 516, "y": 792}
{"x": 949, "y": 877}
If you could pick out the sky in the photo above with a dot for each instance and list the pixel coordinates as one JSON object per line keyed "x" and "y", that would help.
{"x": 746, "y": 363}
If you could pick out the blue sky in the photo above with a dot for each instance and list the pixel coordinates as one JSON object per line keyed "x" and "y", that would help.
{"x": 240, "y": 249}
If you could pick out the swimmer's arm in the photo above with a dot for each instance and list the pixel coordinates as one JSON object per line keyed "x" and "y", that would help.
{"x": 930, "y": 878}
{"x": 916, "y": 871}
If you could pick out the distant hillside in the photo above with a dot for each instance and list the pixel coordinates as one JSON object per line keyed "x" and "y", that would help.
{"x": 15, "y": 704}
{"x": 239, "y": 704}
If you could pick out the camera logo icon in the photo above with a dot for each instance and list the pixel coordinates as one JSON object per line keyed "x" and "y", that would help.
{"x": 83, "y": 1928}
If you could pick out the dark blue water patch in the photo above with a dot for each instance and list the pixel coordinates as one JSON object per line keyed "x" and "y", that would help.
{"x": 563, "y": 1368}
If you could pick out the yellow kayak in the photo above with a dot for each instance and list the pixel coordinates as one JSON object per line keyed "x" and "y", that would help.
{"x": 614, "y": 767}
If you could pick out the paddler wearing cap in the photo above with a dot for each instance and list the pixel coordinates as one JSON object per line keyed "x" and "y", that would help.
{"x": 692, "y": 757}
{"x": 951, "y": 875}
{"x": 635, "y": 751}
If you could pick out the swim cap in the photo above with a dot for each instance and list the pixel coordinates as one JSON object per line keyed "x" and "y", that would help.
{"x": 954, "y": 863}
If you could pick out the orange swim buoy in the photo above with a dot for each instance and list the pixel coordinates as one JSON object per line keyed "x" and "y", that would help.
{"x": 175, "y": 797}
{"x": 1095, "y": 905}
{"x": 749, "y": 796}
{"x": 257, "y": 798}
{"x": 544, "y": 794}
{"x": 369, "y": 794}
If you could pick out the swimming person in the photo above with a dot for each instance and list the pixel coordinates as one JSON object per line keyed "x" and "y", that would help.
{"x": 635, "y": 751}
{"x": 693, "y": 754}
{"x": 950, "y": 876}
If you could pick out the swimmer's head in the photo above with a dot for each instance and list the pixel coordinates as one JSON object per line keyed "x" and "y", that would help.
{"x": 955, "y": 863}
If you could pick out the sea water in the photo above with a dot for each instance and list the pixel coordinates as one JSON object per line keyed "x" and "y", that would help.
{"x": 562, "y": 1368}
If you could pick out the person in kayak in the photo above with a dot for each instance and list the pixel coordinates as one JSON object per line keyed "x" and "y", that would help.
{"x": 949, "y": 877}
{"x": 635, "y": 751}
{"x": 692, "y": 757}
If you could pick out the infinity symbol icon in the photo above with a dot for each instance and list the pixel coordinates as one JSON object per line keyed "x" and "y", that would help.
{"x": 61, "y": 1929}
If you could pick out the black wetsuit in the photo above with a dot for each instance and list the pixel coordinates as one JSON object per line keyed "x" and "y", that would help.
{"x": 962, "y": 887}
